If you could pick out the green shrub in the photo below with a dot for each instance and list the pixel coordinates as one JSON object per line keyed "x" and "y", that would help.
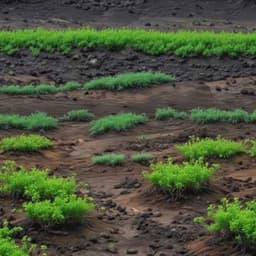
{"x": 177, "y": 179}
{"x": 128, "y": 80}
{"x": 212, "y": 115}
{"x": 38, "y": 89}
{"x": 219, "y": 148}
{"x": 253, "y": 149}
{"x": 182, "y": 43}
{"x": 235, "y": 218}
{"x": 35, "y": 121}
{"x": 169, "y": 113}
{"x": 60, "y": 210}
{"x": 109, "y": 159}
{"x": 78, "y": 115}
{"x": 25, "y": 143}
{"x": 118, "y": 122}
{"x": 142, "y": 157}
{"x": 34, "y": 183}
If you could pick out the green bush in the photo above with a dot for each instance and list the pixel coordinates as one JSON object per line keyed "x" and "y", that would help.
{"x": 182, "y": 43}
{"x": 169, "y": 113}
{"x": 119, "y": 122}
{"x": 25, "y": 143}
{"x": 34, "y": 183}
{"x": 177, "y": 179}
{"x": 60, "y": 210}
{"x": 109, "y": 159}
{"x": 34, "y": 122}
{"x": 142, "y": 157}
{"x": 235, "y": 218}
{"x": 219, "y": 148}
{"x": 128, "y": 80}
{"x": 38, "y": 89}
{"x": 78, "y": 115}
{"x": 212, "y": 115}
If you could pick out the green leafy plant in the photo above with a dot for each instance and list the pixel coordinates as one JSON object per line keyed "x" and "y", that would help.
{"x": 34, "y": 183}
{"x": 219, "y": 148}
{"x": 119, "y": 122}
{"x": 25, "y": 143}
{"x": 169, "y": 113}
{"x": 38, "y": 89}
{"x": 234, "y": 218}
{"x": 109, "y": 159}
{"x": 142, "y": 158}
{"x": 178, "y": 179}
{"x": 60, "y": 210}
{"x": 34, "y": 122}
{"x": 78, "y": 115}
{"x": 182, "y": 43}
{"x": 212, "y": 115}
{"x": 128, "y": 80}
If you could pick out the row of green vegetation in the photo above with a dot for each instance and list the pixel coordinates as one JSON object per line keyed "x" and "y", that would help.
{"x": 114, "y": 159}
{"x": 38, "y": 89}
{"x": 116, "y": 82}
{"x": 182, "y": 43}
{"x": 50, "y": 200}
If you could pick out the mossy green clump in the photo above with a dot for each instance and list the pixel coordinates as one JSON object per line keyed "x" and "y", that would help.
{"x": 169, "y": 113}
{"x": 79, "y": 115}
{"x": 128, "y": 80}
{"x": 142, "y": 158}
{"x": 112, "y": 159}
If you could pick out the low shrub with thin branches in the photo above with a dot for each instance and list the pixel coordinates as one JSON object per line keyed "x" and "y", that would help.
{"x": 112, "y": 159}
{"x": 169, "y": 113}
{"x": 33, "y": 122}
{"x": 78, "y": 115}
{"x": 25, "y": 143}
{"x": 129, "y": 80}
{"x": 176, "y": 179}
{"x": 204, "y": 148}
{"x": 119, "y": 122}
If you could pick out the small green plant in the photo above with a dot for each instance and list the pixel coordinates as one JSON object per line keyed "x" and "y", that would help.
{"x": 169, "y": 113}
{"x": 119, "y": 122}
{"x": 233, "y": 218}
{"x": 218, "y": 148}
{"x": 25, "y": 143}
{"x": 38, "y": 89}
{"x": 60, "y": 210}
{"x": 178, "y": 179}
{"x": 128, "y": 80}
{"x": 142, "y": 158}
{"x": 212, "y": 115}
{"x": 78, "y": 115}
{"x": 253, "y": 149}
{"x": 34, "y": 183}
{"x": 33, "y": 122}
{"x": 109, "y": 159}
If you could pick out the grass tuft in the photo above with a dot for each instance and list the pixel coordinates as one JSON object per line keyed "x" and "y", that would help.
{"x": 142, "y": 158}
{"x": 119, "y": 122}
{"x": 203, "y": 148}
{"x": 25, "y": 143}
{"x": 78, "y": 115}
{"x": 109, "y": 159}
{"x": 169, "y": 113}
{"x": 33, "y": 122}
{"x": 128, "y": 80}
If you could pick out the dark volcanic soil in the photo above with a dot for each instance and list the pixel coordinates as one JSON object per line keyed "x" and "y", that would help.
{"x": 132, "y": 218}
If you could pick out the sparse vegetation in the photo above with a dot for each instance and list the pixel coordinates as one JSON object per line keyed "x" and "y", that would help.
{"x": 253, "y": 149}
{"x": 119, "y": 122}
{"x": 178, "y": 179}
{"x": 142, "y": 158}
{"x": 78, "y": 115}
{"x": 182, "y": 43}
{"x": 203, "y": 148}
{"x": 212, "y": 115}
{"x": 38, "y": 89}
{"x": 128, "y": 80}
{"x": 33, "y": 122}
{"x": 25, "y": 143}
{"x": 109, "y": 159}
{"x": 234, "y": 218}
{"x": 169, "y": 113}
